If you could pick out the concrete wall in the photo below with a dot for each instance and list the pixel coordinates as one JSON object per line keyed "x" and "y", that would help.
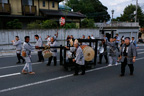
{"x": 7, "y": 35}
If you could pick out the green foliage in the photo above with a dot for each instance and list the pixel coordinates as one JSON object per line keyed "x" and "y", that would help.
{"x": 129, "y": 15}
{"x": 93, "y": 9}
{"x": 70, "y": 25}
{"x": 48, "y": 24}
{"x": 15, "y": 24}
{"x": 87, "y": 23}
{"x": 34, "y": 25}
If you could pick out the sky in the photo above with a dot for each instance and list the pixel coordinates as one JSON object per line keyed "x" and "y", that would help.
{"x": 119, "y": 5}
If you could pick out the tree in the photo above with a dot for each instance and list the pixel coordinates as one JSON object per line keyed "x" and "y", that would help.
{"x": 48, "y": 24}
{"x": 93, "y": 9}
{"x": 15, "y": 24}
{"x": 34, "y": 25}
{"x": 129, "y": 15}
{"x": 69, "y": 25}
{"x": 87, "y": 23}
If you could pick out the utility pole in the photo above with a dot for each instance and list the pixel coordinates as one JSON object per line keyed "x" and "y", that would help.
{"x": 136, "y": 11}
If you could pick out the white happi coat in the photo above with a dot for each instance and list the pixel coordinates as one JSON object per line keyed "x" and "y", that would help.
{"x": 18, "y": 45}
{"x": 28, "y": 48}
{"x": 48, "y": 40}
{"x": 79, "y": 56}
{"x": 39, "y": 43}
{"x": 53, "y": 50}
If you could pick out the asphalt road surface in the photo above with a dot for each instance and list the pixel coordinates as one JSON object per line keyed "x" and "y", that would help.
{"x": 55, "y": 81}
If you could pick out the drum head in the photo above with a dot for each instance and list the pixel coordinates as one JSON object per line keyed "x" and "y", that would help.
{"x": 47, "y": 54}
{"x": 89, "y": 53}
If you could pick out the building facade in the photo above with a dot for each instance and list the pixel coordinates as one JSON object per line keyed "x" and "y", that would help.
{"x": 30, "y": 10}
{"x": 126, "y": 29}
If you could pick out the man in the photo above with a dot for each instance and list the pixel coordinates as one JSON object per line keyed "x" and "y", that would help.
{"x": 112, "y": 53}
{"x": 83, "y": 37}
{"x": 54, "y": 52}
{"x": 17, "y": 42}
{"x": 27, "y": 49}
{"x": 72, "y": 38}
{"x": 103, "y": 47}
{"x": 105, "y": 37}
{"x": 56, "y": 35}
{"x": 79, "y": 60}
{"x": 128, "y": 56}
{"x": 39, "y": 44}
{"x": 68, "y": 40}
{"x": 92, "y": 44}
{"x": 92, "y": 37}
{"x": 117, "y": 41}
{"x": 48, "y": 39}
{"x": 133, "y": 41}
{"x": 84, "y": 43}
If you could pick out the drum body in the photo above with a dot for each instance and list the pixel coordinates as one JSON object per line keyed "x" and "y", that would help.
{"x": 88, "y": 52}
{"x": 47, "y": 54}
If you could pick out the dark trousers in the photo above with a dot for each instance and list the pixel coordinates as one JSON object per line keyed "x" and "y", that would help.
{"x": 101, "y": 56}
{"x": 117, "y": 47}
{"x": 50, "y": 59}
{"x": 20, "y": 57}
{"x": 40, "y": 56}
{"x": 123, "y": 65}
{"x": 77, "y": 68}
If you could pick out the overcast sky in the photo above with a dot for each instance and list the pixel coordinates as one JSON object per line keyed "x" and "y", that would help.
{"x": 119, "y": 5}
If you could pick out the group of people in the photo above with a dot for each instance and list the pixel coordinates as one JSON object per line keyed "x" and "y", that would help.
{"x": 26, "y": 48}
{"x": 127, "y": 52}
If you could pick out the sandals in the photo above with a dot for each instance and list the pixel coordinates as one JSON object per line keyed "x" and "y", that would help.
{"x": 24, "y": 72}
{"x": 31, "y": 73}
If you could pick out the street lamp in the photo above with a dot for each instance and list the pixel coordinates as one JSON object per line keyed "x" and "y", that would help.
{"x": 112, "y": 15}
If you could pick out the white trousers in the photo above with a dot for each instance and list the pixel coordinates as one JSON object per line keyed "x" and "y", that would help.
{"x": 28, "y": 67}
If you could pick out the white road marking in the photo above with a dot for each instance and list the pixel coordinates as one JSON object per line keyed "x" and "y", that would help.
{"x": 22, "y": 65}
{"x": 139, "y": 49}
{"x": 140, "y": 52}
{"x": 8, "y": 75}
{"x": 53, "y": 79}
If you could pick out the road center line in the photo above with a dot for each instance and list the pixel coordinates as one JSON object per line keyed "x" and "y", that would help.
{"x": 53, "y": 79}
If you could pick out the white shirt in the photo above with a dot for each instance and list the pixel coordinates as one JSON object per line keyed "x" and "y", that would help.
{"x": 39, "y": 43}
{"x": 79, "y": 56}
{"x": 18, "y": 45}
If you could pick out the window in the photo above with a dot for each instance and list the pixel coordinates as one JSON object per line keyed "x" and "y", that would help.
{"x": 43, "y": 3}
{"x": 27, "y": 2}
{"x": 3, "y": 1}
{"x": 53, "y": 4}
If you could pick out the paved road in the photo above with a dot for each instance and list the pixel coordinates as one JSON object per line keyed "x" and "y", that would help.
{"x": 55, "y": 81}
